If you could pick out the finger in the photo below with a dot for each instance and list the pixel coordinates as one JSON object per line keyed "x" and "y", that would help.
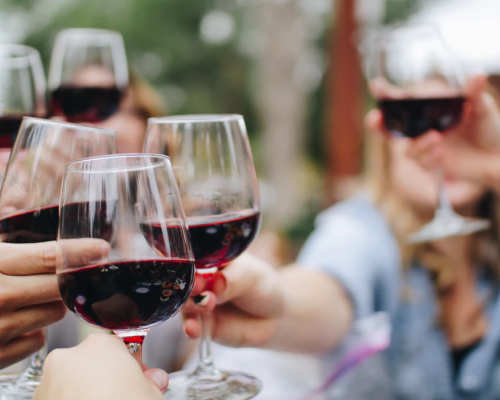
{"x": 18, "y": 291}
{"x": 253, "y": 286}
{"x": 20, "y": 348}
{"x": 424, "y": 144}
{"x": 374, "y": 121}
{"x": 237, "y": 329}
{"x": 199, "y": 284}
{"x": 84, "y": 251}
{"x": 475, "y": 86}
{"x": 158, "y": 377}
{"x": 203, "y": 303}
{"x": 29, "y": 259}
{"x": 30, "y": 319}
{"x": 191, "y": 326}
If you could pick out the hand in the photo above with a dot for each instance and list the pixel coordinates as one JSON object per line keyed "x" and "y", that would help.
{"x": 469, "y": 151}
{"x": 250, "y": 301}
{"x": 100, "y": 368}
{"x": 29, "y": 295}
{"x": 289, "y": 309}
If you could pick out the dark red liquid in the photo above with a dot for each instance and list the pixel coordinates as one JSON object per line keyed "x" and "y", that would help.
{"x": 41, "y": 225}
{"x": 31, "y": 226}
{"x": 127, "y": 294}
{"x": 85, "y": 104}
{"x": 413, "y": 117}
{"x": 216, "y": 240}
{"x": 9, "y": 126}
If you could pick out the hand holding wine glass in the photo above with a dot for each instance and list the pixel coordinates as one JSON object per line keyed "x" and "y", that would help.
{"x": 98, "y": 368}
{"x": 470, "y": 150}
{"x": 29, "y": 200}
{"x": 214, "y": 168}
{"x": 419, "y": 88}
{"x": 140, "y": 283}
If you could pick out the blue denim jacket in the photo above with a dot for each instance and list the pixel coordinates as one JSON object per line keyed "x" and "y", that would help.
{"x": 354, "y": 244}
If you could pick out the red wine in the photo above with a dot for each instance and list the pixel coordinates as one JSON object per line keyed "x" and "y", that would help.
{"x": 127, "y": 294}
{"x": 85, "y": 104}
{"x": 9, "y": 126}
{"x": 413, "y": 117}
{"x": 216, "y": 240}
{"x": 41, "y": 224}
{"x": 30, "y": 226}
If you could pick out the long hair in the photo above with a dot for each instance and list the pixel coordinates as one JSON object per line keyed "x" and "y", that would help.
{"x": 403, "y": 220}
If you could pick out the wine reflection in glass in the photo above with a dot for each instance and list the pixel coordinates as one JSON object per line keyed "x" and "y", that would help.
{"x": 131, "y": 286}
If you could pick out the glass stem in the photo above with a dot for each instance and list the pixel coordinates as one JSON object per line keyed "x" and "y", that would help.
{"x": 444, "y": 206}
{"x": 133, "y": 340}
{"x": 206, "y": 369}
{"x": 34, "y": 370}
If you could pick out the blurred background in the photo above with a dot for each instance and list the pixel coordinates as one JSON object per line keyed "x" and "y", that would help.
{"x": 293, "y": 68}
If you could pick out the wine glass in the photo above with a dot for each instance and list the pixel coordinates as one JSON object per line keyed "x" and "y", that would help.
{"x": 88, "y": 74}
{"x": 419, "y": 87}
{"x": 29, "y": 198}
{"x": 146, "y": 272}
{"x": 214, "y": 169}
{"x": 22, "y": 92}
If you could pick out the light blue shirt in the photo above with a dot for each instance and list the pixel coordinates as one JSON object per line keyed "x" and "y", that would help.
{"x": 354, "y": 244}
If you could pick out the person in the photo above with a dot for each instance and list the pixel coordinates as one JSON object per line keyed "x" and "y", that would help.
{"x": 30, "y": 299}
{"x": 100, "y": 368}
{"x": 442, "y": 297}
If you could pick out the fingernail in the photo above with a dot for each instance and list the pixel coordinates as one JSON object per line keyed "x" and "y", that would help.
{"x": 160, "y": 377}
{"x": 202, "y": 299}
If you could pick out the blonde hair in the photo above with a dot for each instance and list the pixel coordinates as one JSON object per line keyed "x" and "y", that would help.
{"x": 403, "y": 220}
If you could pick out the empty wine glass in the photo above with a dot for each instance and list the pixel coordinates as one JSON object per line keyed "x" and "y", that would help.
{"x": 419, "y": 87}
{"x": 29, "y": 198}
{"x": 144, "y": 275}
{"x": 88, "y": 74}
{"x": 214, "y": 169}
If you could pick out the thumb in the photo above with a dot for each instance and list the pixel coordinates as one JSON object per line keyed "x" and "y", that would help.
{"x": 158, "y": 377}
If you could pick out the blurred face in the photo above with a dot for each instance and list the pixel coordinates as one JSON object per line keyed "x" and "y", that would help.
{"x": 419, "y": 186}
{"x": 130, "y": 131}
{"x": 129, "y": 127}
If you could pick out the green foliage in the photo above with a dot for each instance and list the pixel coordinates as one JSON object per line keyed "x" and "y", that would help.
{"x": 214, "y": 78}
{"x": 399, "y": 10}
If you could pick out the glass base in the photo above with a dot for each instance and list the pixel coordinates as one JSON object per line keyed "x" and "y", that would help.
{"x": 446, "y": 226}
{"x": 7, "y": 380}
{"x": 24, "y": 386}
{"x": 228, "y": 386}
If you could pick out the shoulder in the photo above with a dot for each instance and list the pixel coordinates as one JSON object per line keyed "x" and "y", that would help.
{"x": 358, "y": 220}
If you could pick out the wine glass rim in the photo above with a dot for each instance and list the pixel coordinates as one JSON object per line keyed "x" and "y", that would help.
{"x": 17, "y": 51}
{"x": 162, "y": 158}
{"x": 196, "y": 118}
{"x": 87, "y": 31}
{"x": 109, "y": 132}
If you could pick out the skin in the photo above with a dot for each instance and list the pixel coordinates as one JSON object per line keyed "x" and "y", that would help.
{"x": 260, "y": 306}
{"x": 100, "y": 368}
{"x": 29, "y": 295}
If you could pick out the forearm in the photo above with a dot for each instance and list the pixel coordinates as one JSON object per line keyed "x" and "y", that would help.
{"x": 317, "y": 312}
